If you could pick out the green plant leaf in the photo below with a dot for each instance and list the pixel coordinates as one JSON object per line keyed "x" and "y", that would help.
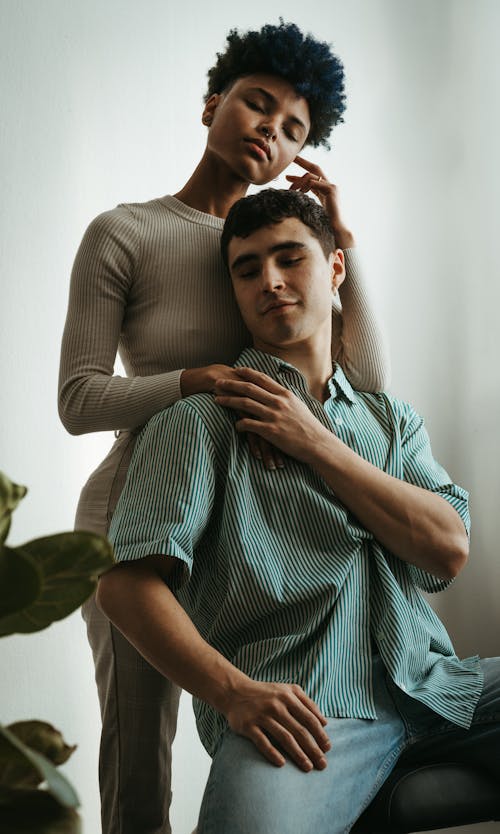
{"x": 10, "y": 496}
{"x": 12, "y": 749}
{"x": 20, "y": 580}
{"x": 70, "y": 564}
{"x": 44, "y": 738}
{"x": 35, "y": 812}
{"x": 17, "y": 771}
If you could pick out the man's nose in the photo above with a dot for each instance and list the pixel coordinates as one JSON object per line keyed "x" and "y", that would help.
{"x": 271, "y": 279}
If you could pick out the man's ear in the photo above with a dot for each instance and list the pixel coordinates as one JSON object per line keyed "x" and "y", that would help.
{"x": 210, "y": 108}
{"x": 337, "y": 264}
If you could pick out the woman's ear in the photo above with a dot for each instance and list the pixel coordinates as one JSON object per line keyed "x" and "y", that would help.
{"x": 337, "y": 264}
{"x": 210, "y": 108}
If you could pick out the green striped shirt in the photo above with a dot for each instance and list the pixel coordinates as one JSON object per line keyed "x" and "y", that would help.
{"x": 275, "y": 572}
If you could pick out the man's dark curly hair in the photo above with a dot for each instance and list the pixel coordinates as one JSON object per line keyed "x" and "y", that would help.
{"x": 272, "y": 205}
{"x": 307, "y": 64}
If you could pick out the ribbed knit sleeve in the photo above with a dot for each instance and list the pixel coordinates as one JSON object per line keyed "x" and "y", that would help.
{"x": 359, "y": 344}
{"x": 148, "y": 282}
{"x": 91, "y": 398}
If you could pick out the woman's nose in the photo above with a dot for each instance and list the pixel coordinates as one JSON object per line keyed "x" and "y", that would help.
{"x": 269, "y": 131}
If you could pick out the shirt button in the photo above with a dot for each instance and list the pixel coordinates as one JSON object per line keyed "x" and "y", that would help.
{"x": 339, "y": 421}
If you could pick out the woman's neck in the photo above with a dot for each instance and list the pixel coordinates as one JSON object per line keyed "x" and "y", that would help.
{"x": 212, "y": 188}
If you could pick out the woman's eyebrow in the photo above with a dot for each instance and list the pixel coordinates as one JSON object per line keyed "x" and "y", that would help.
{"x": 274, "y": 101}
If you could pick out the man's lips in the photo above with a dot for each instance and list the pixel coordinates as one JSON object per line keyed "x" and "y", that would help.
{"x": 259, "y": 146}
{"x": 278, "y": 305}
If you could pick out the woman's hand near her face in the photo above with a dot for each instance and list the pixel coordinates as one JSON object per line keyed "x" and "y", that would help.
{"x": 202, "y": 380}
{"x": 327, "y": 193}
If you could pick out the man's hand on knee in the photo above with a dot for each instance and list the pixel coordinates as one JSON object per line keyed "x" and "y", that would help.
{"x": 280, "y": 717}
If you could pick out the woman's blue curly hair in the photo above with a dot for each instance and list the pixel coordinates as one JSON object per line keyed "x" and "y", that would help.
{"x": 307, "y": 64}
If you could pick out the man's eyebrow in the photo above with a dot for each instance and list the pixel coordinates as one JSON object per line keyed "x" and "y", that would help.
{"x": 274, "y": 101}
{"x": 278, "y": 247}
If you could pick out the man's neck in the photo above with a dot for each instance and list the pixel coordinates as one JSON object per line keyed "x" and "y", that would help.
{"x": 313, "y": 361}
{"x": 212, "y": 188}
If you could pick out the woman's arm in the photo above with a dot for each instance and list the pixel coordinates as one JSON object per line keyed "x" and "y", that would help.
{"x": 91, "y": 396}
{"x": 358, "y": 341}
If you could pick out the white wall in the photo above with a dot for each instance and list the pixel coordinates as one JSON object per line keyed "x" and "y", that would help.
{"x": 101, "y": 104}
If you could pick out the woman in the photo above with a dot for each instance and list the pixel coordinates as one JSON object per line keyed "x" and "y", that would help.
{"x": 148, "y": 281}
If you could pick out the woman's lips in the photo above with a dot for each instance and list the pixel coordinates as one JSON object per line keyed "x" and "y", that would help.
{"x": 256, "y": 150}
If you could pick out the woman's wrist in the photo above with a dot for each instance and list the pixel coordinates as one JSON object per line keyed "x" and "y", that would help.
{"x": 190, "y": 381}
{"x": 202, "y": 380}
{"x": 344, "y": 239}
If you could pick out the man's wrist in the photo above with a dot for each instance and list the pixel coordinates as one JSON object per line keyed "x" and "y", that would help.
{"x": 319, "y": 447}
{"x": 229, "y": 682}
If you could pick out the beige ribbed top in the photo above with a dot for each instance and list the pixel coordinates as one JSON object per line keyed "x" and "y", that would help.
{"x": 149, "y": 282}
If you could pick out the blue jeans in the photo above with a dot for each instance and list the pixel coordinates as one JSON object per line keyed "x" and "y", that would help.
{"x": 247, "y": 795}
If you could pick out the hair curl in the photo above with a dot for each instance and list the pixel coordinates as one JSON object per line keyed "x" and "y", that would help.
{"x": 307, "y": 64}
{"x": 272, "y": 205}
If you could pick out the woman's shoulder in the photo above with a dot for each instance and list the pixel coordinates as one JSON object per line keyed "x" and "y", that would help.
{"x": 127, "y": 214}
{"x": 124, "y": 226}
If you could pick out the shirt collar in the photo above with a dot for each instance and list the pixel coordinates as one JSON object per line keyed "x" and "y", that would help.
{"x": 282, "y": 372}
{"x": 339, "y": 384}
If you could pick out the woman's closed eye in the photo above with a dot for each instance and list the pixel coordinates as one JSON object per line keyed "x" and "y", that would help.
{"x": 254, "y": 106}
{"x": 289, "y": 135}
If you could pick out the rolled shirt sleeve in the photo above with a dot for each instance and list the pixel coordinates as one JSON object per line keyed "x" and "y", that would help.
{"x": 421, "y": 469}
{"x": 168, "y": 497}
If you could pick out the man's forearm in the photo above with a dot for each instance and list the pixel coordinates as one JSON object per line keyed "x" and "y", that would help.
{"x": 139, "y": 603}
{"x": 416, "y": 525}
{"x": 274, "y": 716}
{"x": 413, "y": 523}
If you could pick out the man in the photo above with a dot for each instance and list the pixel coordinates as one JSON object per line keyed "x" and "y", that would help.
{"x": 288, "y": 602}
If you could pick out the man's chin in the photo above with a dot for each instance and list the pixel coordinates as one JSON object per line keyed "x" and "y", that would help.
{"x": 285, "y": 339}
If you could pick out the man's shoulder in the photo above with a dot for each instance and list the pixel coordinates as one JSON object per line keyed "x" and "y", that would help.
{"x": 385, "y": 405}
{"x": 198, "y": 414}
{"x": 205, "y": 407}
{"x": 402, "y": 409}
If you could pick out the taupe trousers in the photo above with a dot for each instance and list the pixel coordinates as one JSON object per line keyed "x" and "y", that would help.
{"x": 139, "y": 718}
{"x": 138, "y": 705}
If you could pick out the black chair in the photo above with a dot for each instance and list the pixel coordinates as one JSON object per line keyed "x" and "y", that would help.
{"x": 430, "y": 797}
